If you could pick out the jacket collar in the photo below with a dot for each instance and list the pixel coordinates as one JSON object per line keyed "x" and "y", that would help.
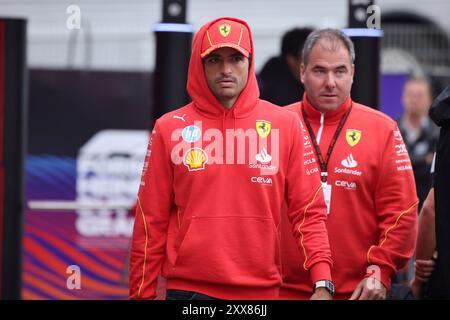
{"x": 330, "y": 117}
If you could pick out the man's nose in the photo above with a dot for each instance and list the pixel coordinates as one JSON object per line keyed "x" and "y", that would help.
{"x": 330, "y": 81}
{"x": 226, "y": 68}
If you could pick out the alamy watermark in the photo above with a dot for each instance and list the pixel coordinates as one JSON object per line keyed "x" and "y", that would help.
{"x": 258, "y": 147}
{"x": 374, "y": 19}
{"x": 73, "y": 21}
{"x": 374, "y": 280}
{"x": 74, "y": 279}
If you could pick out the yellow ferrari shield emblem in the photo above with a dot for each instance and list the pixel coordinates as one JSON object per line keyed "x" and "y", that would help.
{"x": 225, "y": 30}
{"x": 263, "y": 128}
{"x": 353, "y": 136}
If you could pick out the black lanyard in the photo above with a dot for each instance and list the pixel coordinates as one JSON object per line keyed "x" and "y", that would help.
{"x": 324, "y": 164}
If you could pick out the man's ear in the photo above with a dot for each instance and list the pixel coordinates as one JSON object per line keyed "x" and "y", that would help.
{"x": 302, "y": 72}
{"x": 353, "y": 71}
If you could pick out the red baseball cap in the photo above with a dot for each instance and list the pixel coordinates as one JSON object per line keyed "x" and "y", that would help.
{"x": 226, "y": 33}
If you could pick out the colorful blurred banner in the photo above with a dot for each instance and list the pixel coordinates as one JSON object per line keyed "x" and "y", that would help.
{"x": 88, "y": 138}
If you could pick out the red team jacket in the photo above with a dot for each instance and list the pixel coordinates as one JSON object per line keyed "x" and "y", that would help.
{"x": 373, "y": 212}
{"x": 207, "y": 216}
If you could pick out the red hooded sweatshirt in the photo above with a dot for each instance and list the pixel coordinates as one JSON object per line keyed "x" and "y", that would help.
{"x": 372, "y": 224}
{"x": 209, "y": 208}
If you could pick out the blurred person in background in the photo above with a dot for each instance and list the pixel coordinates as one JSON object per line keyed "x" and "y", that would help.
{"x": 208, "y": 224}
{"x": 420, "y": 136}
{"x": 366, "y": 173}
{"x": 279, "y": 79}
{"x": 419, "y": 132}
{"x": 432, "y": 278}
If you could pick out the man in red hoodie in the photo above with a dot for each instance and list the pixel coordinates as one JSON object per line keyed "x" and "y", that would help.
{"x": 366, "y": 175}
{"x": 216, "y": 175}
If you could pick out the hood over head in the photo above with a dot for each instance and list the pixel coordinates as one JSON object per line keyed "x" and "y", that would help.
{"x": 222, "y": 32}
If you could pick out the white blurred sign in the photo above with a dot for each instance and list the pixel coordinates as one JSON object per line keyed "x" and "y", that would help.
{"x": 109, "y": 169}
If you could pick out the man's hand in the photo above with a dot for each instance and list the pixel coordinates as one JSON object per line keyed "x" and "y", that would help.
{"x": 423, "y": 270}
{"x": 321, "y": 294}
{"x": 369, "y": 289}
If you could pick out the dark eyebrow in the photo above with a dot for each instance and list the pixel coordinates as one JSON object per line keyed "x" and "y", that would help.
{"x": 318, "y": 67}
{"x": 212, "y": 55}
{"x": 341, "y": 67}
{"x": 237, "y": 54}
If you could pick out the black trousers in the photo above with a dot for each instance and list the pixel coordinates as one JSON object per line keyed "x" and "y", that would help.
{"x": 186, "y": 295}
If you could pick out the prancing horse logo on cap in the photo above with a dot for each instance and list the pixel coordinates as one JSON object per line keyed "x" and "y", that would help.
{"x": 224, "y": 30}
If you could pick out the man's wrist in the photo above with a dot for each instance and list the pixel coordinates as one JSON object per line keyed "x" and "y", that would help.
{"x": 327, "y": 285}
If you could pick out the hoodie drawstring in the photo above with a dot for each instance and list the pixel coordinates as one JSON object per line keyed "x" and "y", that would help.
{"x": 224, "y": 116}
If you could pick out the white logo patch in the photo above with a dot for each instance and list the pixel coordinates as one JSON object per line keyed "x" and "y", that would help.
{"x": 349, "y": 162}
{"x": 401, "y": 149}
{"x": 347, "y": 185}
{"x": 262, "y": 180}
{"x": 263, "y": 156}
{"x": 180, "y": 118}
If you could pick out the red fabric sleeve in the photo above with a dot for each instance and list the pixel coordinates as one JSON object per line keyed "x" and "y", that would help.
{"x": 306, "y": 207}
{"x": 155, "y": 200}
{"x": 396, "y": 206}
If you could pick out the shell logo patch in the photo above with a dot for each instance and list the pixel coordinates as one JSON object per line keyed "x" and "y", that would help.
{"x": 195, "y": 159}
{"x": 353, "y": 137}
{"x": 224, "y": 30}
{"x": 263, "y": 128}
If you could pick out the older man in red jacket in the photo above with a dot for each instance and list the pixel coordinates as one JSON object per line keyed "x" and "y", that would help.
{"x": 366, "y": 174}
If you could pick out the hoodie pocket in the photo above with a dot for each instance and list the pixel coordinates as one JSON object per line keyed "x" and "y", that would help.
{"x": 229, "y": 250}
